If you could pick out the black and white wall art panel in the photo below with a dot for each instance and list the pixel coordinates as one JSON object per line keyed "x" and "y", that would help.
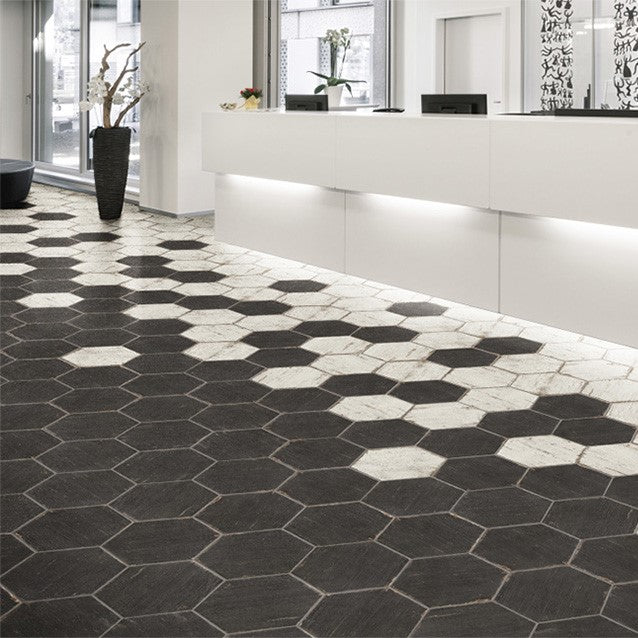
{"x": 626, "y": 53}
{"x": 557, "y": 57}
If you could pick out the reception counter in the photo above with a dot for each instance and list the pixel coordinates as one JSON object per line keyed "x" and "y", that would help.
{"x": 534, "y": 217}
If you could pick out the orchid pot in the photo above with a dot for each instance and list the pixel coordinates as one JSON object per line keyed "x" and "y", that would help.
{"x": 334, "y": 94}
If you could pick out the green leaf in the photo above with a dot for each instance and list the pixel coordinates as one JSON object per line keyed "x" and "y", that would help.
{"x": 320, "y": 88}
{"x": 319, "y": 75}
{"x": 338, "y": 81}
{"x": 349, "y": 88}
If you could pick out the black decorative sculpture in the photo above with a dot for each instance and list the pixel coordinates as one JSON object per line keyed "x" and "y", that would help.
{"x": 626, "y": 53}
{"x": 557, "y": 55}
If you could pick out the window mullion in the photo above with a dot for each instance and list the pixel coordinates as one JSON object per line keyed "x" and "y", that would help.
{"x": 84, "y": 77}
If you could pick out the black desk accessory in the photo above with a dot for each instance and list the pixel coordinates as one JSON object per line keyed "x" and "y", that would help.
{"x": 306, "y": 102}
{"x": 468, "y": 104}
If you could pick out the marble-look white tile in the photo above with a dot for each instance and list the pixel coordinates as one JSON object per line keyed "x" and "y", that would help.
{"x": 445, "y": 416}
{"x": 251, "y": 294}
{"x": 100, "y": 356}
{"x": 480, "y": 377}
{"x": 346, "y": 364}
{"x": 268, "y": 322}
{"x": 151, "y": 284}
{"x": 371, "y": 408}
{"x": 220, "y": 351}
{"x": 196, "y": 264}
{"x": 50, "y": 300}
{"x": 619, "y": 459}
{"x": 626, "y": 356}
{"x": 545, "y": 334}
{"x": 211, "y": 317}
{"x": 137, "y": 251}
{"x": 491, "y": 329}
{"x": 399, "y": 295}
{"x": 201, "y": 289}
{"x": 294, "y": 377}
{"x": 467, "y": 313}
{"x": 576, "y": 351}
{"x": 345, "y": 291}
{"x": 336, "y": 345}
{"x": 403, "y": 351}
{"x": 156, "y": 311}
{"x": 595, "y": 370}
{"x": 369, "y": 318}
{"x": 413, "y": 370}
{"x": 99, "y": 267}
{"x": 446, "y": 340}
{"x": 14, "y": 269}
{"x": 548, "y": 383}
{"x": 248, "y": 281}
{"x": 221, "y": 332}
{"x": 617, "y": 390}
{"x": 315, "y": 313}
{"x": 627, "y": 412}
{"x": 540, "y": 451}
{"x": 499, "y": 399}
{"x": 394, "y": 463}
{"x": 527, "y": 363}
{"x": 431, "y": 324}
{"x": 305, "y": 298}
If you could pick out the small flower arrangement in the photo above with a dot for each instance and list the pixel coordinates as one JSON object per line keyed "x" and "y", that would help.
{"x": 125, "y": 91}
{"x": 252, "y": 97}
{"x": 339, "y": 41}
{"x": 251, "y": 92}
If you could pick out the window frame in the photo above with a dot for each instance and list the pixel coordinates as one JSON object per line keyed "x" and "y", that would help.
{"x": 267, "y": 38}
{"x": 81, "y": 177}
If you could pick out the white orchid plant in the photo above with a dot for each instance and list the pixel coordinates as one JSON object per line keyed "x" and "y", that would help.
{"x": 339, "y": 41}
{"x": 125, "y": 91}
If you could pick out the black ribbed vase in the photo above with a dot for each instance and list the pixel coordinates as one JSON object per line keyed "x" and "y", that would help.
{"x": 111, "y": 148}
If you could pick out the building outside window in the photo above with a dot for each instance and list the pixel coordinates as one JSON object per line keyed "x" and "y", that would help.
{"x": 302, "y": 25}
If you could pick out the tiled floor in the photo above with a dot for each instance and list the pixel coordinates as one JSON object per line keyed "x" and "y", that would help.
{"x": 199, "y": 440}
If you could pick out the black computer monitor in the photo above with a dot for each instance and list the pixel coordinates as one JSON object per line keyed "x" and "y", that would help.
{"x": 454, "y": 103}
{"x": 306, "y": 102}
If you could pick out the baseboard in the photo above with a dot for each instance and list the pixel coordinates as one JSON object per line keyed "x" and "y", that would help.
{"x": 78, "y": 184}
{"x": 196, "y": 213}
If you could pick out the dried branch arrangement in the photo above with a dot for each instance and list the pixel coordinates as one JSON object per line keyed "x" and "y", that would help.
{"x": 125, "y": 91}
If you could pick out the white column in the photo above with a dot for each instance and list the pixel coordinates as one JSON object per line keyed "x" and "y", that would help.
{"x": 198, "y": 53}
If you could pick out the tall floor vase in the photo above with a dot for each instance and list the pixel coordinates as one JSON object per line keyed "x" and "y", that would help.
{"x": 111, "y": 147}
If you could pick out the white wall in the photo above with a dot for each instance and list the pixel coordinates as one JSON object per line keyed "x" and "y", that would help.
{"x": 415, "y": 45}
{"x": 198, "y": 54}
{"x": 14, "y": 82}
{"x": 159, "y": 109}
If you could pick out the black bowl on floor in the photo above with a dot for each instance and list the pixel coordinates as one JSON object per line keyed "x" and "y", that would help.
{"x": 15, "y": 181}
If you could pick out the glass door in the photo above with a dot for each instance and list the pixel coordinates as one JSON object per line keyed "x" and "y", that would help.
{"x": 69, "y": 40}
{"x": 112, "y": 22}
{"x": 58, "y": 79}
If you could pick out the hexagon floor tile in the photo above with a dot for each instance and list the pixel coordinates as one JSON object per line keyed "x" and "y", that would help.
{"x": 200, "y": 440}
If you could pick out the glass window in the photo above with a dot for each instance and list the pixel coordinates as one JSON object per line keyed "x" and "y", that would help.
{"x": 57, "y": 65}
{"x": 112, "y": 22}
{"x": 69, "y": 44}
{"x": 305, "y": 22}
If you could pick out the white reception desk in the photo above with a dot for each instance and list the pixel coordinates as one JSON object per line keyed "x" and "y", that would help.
{"x": 535, "y": 217}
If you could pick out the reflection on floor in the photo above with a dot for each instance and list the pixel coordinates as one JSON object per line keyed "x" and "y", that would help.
{"x": 200, "y": 440}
